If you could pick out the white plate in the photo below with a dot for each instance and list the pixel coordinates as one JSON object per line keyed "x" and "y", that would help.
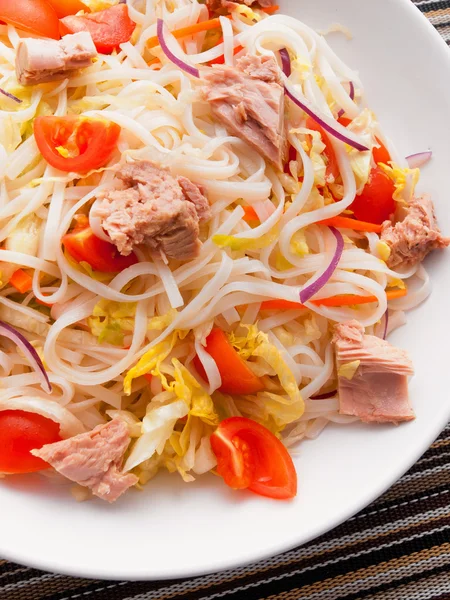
{"x": 178, "y": 530}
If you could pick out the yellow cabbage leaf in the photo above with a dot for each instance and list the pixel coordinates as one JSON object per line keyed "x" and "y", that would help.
{"x": 235, "y": 243}
{"x": 111, "y": 320}
{"x": 402, "y": 178}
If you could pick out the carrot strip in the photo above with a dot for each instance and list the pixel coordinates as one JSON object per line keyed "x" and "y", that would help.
{"x": 202, "y": 26}
{"x": 341, "y": 300}
{"x": 348, "y": 223}
{"x": 221, "y": 59}
{"x": 43, "y": 303}
{"x": 190, "y": 30}
{"x": 350, "y": 299}
{"x": 21, "y": 281}
{"x": 280, "y": 305}
{"x": 269, "y": 10}
{"x": 148, "y": 377}
{"x": 250, "y": 214}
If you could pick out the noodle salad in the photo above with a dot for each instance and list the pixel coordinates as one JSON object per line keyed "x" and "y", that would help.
{"x": 206, "y": 237}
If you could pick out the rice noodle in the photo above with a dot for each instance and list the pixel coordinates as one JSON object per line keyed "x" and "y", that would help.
{"x": 174, "y": 303}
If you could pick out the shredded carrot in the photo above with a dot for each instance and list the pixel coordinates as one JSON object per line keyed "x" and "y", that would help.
{"x": 221, "y": 59}
{"x": 190, "y": 30}
{"x": 21, "y": 281}
{"x": 43, "y": 303}
{"x": 341, "y": 300}
{"x": 148, "y": 377}
{"x": 250, "y": 214}
{"x": 280, "y": 305}
{"x": 155, "y": 64}
{"x": 202, "y": 26}
{"x": 269, "y": 10}
{"x": 348, "y": 223}
{"x": 350, "y": 299}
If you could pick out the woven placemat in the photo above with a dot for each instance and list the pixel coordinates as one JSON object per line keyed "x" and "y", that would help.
{"x": 396, "y": 549}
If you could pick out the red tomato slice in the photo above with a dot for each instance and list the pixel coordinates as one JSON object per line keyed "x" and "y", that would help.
{"x": 108, "y": 28}
{"x": 375, "y": 204}
{"x": 84, "y": 246}
{"x": 89, "y": 143}
{"x": 250, "y": 457}
{"x": 381, "y": 154}
{"x": 332, "y": 164}
{"x": 237, "y": 377}
{"x": 63, "y": 8}
{"x": 21, "y": 432}
{"x": 34, "y": 16}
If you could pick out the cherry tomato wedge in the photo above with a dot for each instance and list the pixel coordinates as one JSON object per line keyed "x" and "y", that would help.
{"x": 237, "y": 377}
{"x": 34, "y": 16}
{"x": 381, "y": 154}
{"x": 375, "y": 204}
{"x": 84, "y": 246}
{"x": 109, "y": 27}
{"x": 75, "y": 144}
{"x": 67, "y": 7}
{"x": 21, "y": 432}
{"x": 332, "y": 164}
{"x": 250, "y": 457}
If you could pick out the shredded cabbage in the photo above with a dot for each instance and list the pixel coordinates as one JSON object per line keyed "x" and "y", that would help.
{"x": 110, "y": 321}
{"x": 235, "y": 243}
{"x": 402, "y": 179}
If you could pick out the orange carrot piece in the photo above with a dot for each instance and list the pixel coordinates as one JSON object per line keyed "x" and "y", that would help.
{"x": 250, "y": 214}
{"x": 202, "y": 26}
{"x": 341, "y": 300}
{"x": 281, "y": 305}
{"x": 21, "y": 281}
{"x": 221, "y": 59}
{"x": 148, "y": 377}
{"x": 351, "y": 299}
{"x": 43, "y": 303}
{"x": 270, "y": 10}
{"x": 190, "y": 30}
{"x": 349, "y": 223}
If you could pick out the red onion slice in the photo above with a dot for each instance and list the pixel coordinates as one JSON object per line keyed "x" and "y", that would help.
{"x": 419, "y": 159}
{"x": 324, "y": 396}
{"x": 10, "y": 96}
{"x": 285, "y": 62}
{"x": 30, "y": 353}
{"x": 352, "y": 97}
{"x": 170, "y": 55}
{"x": 311, "y": 290}
{"x": 329, "y": 124}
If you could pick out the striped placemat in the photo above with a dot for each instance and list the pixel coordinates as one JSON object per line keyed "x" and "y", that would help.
{"x": 396, "y": 549}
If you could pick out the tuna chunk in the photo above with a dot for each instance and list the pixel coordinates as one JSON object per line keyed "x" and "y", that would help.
{"x": 48, "y": 60}
{"x": 249, "y": 100}
{"x": 375, "y": 386}
{"x": 413, "y": 238}
{"x": 93, "y": 459}
{"x": 149, "y": 206}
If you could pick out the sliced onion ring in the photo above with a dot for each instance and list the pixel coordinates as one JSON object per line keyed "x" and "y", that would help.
{"x": 328, "y": 123}
{"x": 30, "y": 353}
{"x": 311, "y": 290}
{"x": 352, "y": 97}
{"x": 170, "y": 55}
{"x": 419, "y": 159}
{"x": 285, "y": 62}
{"x": 10, "y": 96}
